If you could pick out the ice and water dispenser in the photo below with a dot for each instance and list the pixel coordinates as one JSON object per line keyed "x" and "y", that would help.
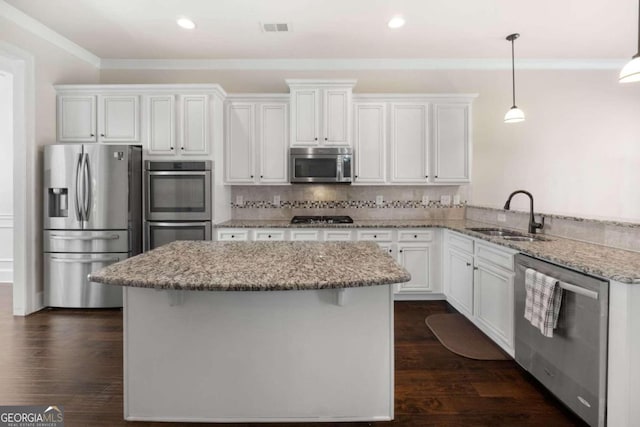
{"x": 58, "y": 202}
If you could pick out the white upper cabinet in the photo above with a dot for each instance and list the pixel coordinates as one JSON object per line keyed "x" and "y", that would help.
{"x": 320, "y": 112}
{"x": 161, "y": 133}
{"x": 101, "y": 118}
{"x": 194, "y": 124}
{"x": 256, "y": 142}
{"x": 273, "y": 135}
{"x": 451, "y": 143}
{"x": 370, "y": 142}
{"x": 409, "y": 143}
{"x": 239, "y": 153}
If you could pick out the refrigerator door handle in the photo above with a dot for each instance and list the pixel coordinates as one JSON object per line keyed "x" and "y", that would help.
{"x": 99, "y": 237}
{"x": 79, "y": 211}
{"x": 84, "y": 261}
{"x": 86, "y": 190}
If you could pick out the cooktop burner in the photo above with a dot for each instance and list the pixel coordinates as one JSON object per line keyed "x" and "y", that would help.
{"x": 321, "y": 220}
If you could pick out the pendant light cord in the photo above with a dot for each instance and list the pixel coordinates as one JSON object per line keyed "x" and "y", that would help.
{"x": 513, "y": 72}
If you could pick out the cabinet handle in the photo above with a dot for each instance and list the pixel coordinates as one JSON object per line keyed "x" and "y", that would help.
{"x": 326, "y": 139}
{"x": 92, "y": 135}
{"x": 182, "y": 148}
{"x": 468, "y": 264}
{"x": 400, "y": 250}
{"x": 316, "y": 139}
{"x": 251, "y": 176}
{"x": 261, "y": 176}
{"x": 436, "y": 176}
{"x": 475, "y": 268}
{"x": 375, "y": 236}
{"x": 269, "y": 236}
{"x": 415, "y": 236}
{"x": 102, "y": 135}
{"x": 426, "y": 176}
{"x": 232, "y": 236}
{"x": 356, "y": 176}
{"x": 390, "y": 251}
{"x": 172, "y": 148}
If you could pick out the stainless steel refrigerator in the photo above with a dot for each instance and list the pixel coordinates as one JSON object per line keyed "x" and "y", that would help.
{"x": 92, "y": 218}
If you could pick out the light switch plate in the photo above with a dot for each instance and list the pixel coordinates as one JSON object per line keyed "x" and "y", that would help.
{"x": 276, "y": 200}
{"x": 239, "y": 200}
{"x": 502, "y": 217}
{"x": 445, "y": 200}
{"x": 425, "y": 200}
{"x": 379, "y": 200}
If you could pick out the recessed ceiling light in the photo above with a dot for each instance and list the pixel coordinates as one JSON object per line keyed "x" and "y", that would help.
{"x": 186, "y": 23}
{"x": 396, "y": 22}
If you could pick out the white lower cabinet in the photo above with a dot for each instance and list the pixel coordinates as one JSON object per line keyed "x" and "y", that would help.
{"x": 458, "y": 272}
{"x": 416, "y": 258}
{"x": 304, "y": 235}
{"x": 338, "y": 235}
{"x": 493, "y": 302}
{"x": 478, "y": 282}
{"x": 268, "y": 235}
{"x": 230, "y": 234}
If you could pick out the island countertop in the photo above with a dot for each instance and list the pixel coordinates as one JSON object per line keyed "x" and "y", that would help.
{"x": 256, "y": 266}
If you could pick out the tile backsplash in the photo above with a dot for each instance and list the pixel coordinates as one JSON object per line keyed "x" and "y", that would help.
{"x": 360, "y": 202}
{"x": 622, "y": 235}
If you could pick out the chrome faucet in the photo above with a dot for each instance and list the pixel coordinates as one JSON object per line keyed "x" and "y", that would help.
{"x": 533, "y": 225}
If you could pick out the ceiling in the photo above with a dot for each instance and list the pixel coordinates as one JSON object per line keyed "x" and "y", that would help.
{"x": 456, "y": 29}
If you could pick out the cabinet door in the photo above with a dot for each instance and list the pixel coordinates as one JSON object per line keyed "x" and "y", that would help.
{"x": 409, "y": 143}
{"x": 301, "y": 235}
{"x": 160, "y": 117}
{"x": 336, "y": 116}
{"x": 76, "y": 118}
{"x": 451, "y": 143}
{"x": 119, "y": 118}
{"x": 274, "y": 142}
{"x": 416, "y": 258}
{"x": 459, "y": 281}
{"x": 194, "y": 132}
{"x": 239, "y": 153}
{"x": 493, "y": 302}
{"x": 370, "y": 142}
{"x": 305, "y": 117}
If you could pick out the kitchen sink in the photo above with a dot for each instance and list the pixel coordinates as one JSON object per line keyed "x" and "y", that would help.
{"x": 505, "y": 234}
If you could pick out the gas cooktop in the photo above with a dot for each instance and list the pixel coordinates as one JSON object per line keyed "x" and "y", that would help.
{"x": 321, "y": 220}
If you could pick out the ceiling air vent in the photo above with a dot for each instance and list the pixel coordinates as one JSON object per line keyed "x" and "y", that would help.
{"x": 275, "y": 27}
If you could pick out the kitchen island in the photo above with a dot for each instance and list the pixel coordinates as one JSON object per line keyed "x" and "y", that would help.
{"x": 258, "y": 331}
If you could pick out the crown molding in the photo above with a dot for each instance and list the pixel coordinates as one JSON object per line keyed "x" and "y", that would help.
{"x": 36, "y": 27}
{"x": 330, "y": 64}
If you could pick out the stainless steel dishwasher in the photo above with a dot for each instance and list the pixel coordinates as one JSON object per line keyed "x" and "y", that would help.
{"x": 572, "y": 364}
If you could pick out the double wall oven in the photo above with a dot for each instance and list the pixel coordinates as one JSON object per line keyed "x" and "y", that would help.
{"x": 177, "y": 202}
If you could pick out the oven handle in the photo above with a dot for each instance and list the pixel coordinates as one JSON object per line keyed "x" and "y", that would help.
{"x": 180, "y": 173}
{"x": 179, "y": 224}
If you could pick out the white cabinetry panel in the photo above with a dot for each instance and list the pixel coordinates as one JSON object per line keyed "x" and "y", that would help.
{"x": 459, "y": 280}
{"x": 119, "y": 118}
{"x": 370, "y": 142}
{"x": 77, "y": 118}
{"x": 305, "y": 120}
{"x": 416, "y": 258}
{"x": 194, "y": 121}
{"x": 337, "y": 106}
{"x": 451, "y": 142}
{"x": 273, "y": 135}
{"x": 160, "y": 111}
{"x": 409, "y": 143}
{"x": 240, "y": 138}
{"x": 493, "y": 302}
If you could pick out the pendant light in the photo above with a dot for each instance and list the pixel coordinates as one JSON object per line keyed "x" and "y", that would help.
{"x": 514, "y": 114}
{"x": 631, "y": 71}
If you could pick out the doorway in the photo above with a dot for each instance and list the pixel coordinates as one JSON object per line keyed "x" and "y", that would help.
{"x": 6, "y": 183}
{"x": 17, "y": 67}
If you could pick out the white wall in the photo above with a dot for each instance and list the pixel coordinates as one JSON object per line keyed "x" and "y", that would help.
{"x": 6, "y": 178}
{"x": 578, "y": 151}
{"x": 51, "y": 65}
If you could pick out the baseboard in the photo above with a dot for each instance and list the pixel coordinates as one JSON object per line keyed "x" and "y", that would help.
{"x": 419, "y": 297}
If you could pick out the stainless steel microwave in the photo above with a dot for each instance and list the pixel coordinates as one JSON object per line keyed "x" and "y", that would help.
{"x": 326, "y": 164}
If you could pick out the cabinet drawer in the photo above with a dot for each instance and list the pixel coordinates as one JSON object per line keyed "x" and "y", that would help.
{"x": 225, "y": 235}
{"x": 460, "y": 242}
{"x": 375, "y": 235}
{"x": 262, "y": 235}
{"x": 415, "y": 235}
{"x": 304, "y": 235}
{"x": 494, "y": 256}
{"x": 337, "y": 235}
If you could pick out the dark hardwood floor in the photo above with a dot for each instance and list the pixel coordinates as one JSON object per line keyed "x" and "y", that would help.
{"x": 74, "y": 358}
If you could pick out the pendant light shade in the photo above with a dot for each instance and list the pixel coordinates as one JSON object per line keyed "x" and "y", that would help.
{"x": 631, "y": 71}
{"x": 514, "y": 115}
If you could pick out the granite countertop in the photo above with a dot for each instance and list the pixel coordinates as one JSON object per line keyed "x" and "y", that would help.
{"x": 256, "y": 266}
{"x": 602, "y": 261}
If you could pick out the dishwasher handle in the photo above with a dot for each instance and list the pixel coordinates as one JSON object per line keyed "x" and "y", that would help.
{"x": 578, "y": 290}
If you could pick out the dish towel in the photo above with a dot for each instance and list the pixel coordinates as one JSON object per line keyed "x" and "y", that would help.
{"x": 542, "y": 305}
